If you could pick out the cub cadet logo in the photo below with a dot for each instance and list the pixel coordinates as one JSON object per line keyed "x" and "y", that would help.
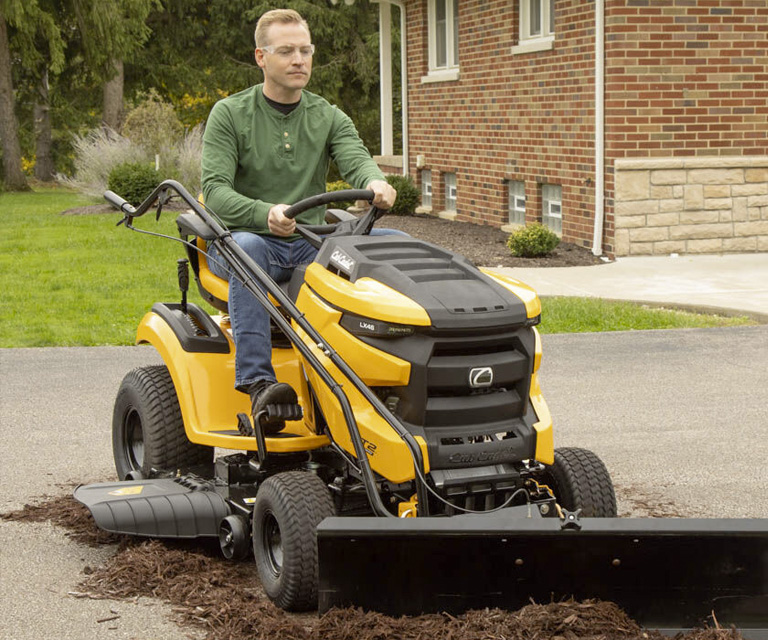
{"x": 480, "y": 377}
{"x": 483, "y": 456}
{"x": 342, "y": 260}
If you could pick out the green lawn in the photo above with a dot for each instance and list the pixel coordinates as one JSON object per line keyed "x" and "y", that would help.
{"x": 80, "y": 280}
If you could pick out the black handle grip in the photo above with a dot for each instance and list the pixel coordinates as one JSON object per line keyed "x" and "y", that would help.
{"x": 326, "y": 198}
{"x": 182, "y": 267}
{"x": 119, "y": 203}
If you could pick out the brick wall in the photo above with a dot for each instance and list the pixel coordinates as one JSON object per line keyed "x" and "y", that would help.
{"x": 522, "y": 117}
{"x": 683, "y": 78}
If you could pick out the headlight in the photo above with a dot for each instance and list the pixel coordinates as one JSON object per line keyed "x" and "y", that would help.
{"x": 360, "y": 326}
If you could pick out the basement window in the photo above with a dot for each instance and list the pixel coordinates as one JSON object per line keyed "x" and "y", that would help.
{"x": 450, "y": 191}
{"x": 552, "y": 207}
{"x": 426, "y": 188}
{"x": 516, "y": 202}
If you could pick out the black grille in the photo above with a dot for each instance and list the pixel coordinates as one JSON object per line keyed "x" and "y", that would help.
{"x": 467, "y": 425}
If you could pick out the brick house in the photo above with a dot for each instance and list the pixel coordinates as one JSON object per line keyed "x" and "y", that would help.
{"x": 518, "y": 112}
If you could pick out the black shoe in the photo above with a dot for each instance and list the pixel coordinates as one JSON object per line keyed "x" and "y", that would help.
{"x": 273, "y": 403}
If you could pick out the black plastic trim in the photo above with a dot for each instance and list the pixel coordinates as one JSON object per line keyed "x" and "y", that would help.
{"x": 186, "y": 328}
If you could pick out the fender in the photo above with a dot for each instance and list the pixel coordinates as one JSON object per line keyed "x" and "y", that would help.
{"x": 202, "y": 368}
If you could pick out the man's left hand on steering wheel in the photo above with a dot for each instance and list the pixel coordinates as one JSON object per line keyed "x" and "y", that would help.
{"x": 384, "y": 194}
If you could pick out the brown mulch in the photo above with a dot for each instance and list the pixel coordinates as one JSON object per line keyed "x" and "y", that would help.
{"x": 225, "y": 601}
{"x": 482, "y": 244}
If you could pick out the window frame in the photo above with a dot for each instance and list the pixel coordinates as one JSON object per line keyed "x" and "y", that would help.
{"x": 527, "y": 41}
{"x": 450, "y": 182}
{"x": 426, "y": 188}
{"x": 516, "y": 193}
{"x": 548, "y": 206}
{"x": 450, "y": 70}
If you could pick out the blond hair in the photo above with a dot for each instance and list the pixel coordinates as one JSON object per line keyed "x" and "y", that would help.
{"x": 276, "y": 16}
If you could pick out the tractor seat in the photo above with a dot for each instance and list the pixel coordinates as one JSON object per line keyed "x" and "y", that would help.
{"x": 215, "y": 290}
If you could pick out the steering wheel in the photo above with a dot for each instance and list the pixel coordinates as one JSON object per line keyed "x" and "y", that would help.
{"x": 316, "y": 234}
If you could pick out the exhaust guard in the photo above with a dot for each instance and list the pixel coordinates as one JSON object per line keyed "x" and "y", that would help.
{"x": 668, "y": 574}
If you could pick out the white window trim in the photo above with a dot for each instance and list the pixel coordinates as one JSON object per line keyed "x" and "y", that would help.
{"x": 528, "y": 43}
{"x": 450, "y": 71}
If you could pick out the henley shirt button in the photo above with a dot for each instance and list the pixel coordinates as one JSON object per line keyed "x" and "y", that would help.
{"x": 287, "y": 146}
{"x": 285, "y": 134}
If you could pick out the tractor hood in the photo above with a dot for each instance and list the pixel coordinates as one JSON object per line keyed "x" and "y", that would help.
{"x": 454, "y": 293}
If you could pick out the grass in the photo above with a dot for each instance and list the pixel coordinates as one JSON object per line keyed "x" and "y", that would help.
{"x": 582, "y": 315}
{"x": 77, "y": 280}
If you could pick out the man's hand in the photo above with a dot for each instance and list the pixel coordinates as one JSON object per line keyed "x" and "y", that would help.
{"x": 278, "y": 224}
{"x": 383, "y": 194}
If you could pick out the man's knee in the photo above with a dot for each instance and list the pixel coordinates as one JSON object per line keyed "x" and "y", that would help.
{"x": 253, "y": 245}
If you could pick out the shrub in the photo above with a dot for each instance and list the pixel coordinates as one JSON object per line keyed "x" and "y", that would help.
{"x": 339, "y": 185}
{"x": 533, "y": 241}
{"x": 189, "y": 153}
{"x": 96, "y": 154}
{"x": 408, "y": 196}
{"x": 133, "y": 181}
{"x": 154, "y": 126}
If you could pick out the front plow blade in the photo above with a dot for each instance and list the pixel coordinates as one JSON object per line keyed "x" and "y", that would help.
{"x": 668, "y": 574}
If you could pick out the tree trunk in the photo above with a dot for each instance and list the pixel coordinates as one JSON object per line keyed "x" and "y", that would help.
{"x": 13, "y": 176}
{"x": 43, "y": 136}
{"x": 113, "y": 98}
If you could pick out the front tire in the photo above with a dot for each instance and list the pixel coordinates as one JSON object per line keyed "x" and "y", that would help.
{"x": 147, "y": 428}
{"x": 288, "y": 508}
{"x": 580, "y": 480}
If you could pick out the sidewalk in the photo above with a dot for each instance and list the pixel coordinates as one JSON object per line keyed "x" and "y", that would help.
{"x": 733, "y": 282}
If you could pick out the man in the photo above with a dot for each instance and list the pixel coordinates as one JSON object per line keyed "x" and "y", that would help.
{"x": 264, "y": 149}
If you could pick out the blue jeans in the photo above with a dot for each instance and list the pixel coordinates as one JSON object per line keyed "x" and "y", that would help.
{"x": 250, "y": 320}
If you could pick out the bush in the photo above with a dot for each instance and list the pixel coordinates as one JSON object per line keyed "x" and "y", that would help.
{"x": 533, "y": 241}
{"x": 408, "y": 196}
{"x": 154, "y": 126}
{"x": 133, "y": 181}
{"x": 339, "y": 185}
{"x": 96, "y": 154}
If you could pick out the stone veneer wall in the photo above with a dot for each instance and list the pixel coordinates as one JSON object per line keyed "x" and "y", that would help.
{"x": 691, "y": 205}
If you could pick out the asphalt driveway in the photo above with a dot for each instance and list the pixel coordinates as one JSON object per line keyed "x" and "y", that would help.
{"x": 679, "y": 417}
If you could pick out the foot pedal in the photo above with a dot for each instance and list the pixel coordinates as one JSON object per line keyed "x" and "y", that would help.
{"x": 244, "y": 426}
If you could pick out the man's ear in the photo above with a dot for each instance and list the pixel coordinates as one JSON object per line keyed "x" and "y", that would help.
{"x": 258, "y": 55}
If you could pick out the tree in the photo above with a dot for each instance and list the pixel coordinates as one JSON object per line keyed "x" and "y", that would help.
{"x": 13, "y": 176}
{"x": 33, "y": 36}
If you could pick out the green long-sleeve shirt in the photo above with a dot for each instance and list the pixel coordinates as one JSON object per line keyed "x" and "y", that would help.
{"x": 255, "y": 157}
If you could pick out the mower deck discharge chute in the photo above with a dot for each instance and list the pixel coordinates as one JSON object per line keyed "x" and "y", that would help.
{"x": 421, "y": 473}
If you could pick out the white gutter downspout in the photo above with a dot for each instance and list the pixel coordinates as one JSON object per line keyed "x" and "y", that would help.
{"x": 403, "y": 77}
{"x": 597, "y": 240}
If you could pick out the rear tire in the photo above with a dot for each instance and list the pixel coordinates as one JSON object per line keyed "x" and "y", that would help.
{"x": 147, "y": 428}
{"x": 580, "y": 480}
{"x": 288, "y": 508}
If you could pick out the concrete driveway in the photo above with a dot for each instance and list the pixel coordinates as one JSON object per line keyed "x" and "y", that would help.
{"x": 679, "y": 417}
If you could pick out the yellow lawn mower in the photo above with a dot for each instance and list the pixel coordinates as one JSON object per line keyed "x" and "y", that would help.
{"x": 420, "y": 473}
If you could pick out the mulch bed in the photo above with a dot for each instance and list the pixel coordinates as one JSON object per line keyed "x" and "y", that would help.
{"x": 224, "y": 600}
{"x": 482, "y": 244}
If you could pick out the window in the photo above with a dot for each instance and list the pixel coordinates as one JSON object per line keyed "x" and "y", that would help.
{"x": 450, "y": 191}
{"x": 516, "y": 202}
{"x": 537, "y": 25}
{"x": 537, "y": 19}
{"x": 443, "y": 39}
{"x": 426, "y": 188}
{"x": 552, "y": 207}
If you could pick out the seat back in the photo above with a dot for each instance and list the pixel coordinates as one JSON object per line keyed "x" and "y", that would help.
{"x": 213, "y": 289}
